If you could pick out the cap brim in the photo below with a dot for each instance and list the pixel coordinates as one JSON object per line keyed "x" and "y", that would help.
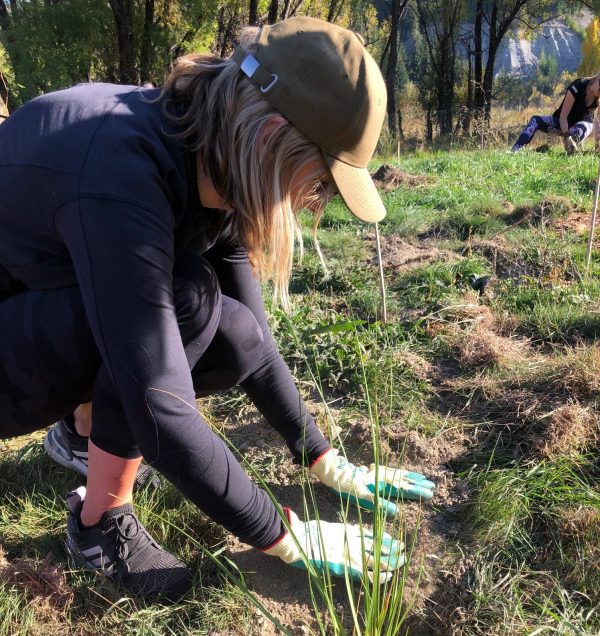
{"x": 357, "y": 190}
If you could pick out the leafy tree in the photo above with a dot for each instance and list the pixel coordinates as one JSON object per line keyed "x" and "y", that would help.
{"x": 494, "y": 19}
{"x": 6, "y": 83}
{"x": 440, "y": 22}
{"x": 55, "y": 44}
{"x": 421, "y": 75}
{"x": 590, "y": 50}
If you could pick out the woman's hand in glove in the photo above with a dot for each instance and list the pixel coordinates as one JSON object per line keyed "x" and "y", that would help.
{"x": 338, "y": 548}
{"x": 357, "y": 483}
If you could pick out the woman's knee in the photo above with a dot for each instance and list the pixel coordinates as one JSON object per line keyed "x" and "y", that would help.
{"x": 197, "y": 299}
{"x": 234, "y": 353}
{"x": 581, "y": 130}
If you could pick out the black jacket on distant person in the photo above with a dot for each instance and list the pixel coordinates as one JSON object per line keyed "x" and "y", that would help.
{"x": 579, "y": 111}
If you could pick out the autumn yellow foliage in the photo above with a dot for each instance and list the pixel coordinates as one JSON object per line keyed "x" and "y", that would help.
{"x": 590, "y": 50}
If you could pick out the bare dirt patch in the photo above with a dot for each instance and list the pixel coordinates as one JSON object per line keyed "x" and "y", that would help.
{"x": 577, "y": 222}
{"x": 283, "y": 590}
{"x": 400, "y": 256}
{"x": 387, "y": 177}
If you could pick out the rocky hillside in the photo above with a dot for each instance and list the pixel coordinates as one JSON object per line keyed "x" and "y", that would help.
{"x": 556, "y": 39}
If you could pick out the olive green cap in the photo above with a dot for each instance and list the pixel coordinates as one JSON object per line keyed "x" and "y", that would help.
{"x": 322, "y": 79}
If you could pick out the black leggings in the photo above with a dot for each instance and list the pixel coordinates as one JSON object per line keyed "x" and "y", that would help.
{"x": 49, "y": 364}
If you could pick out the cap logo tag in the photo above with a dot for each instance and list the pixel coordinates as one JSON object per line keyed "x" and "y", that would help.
{"x": 250, "y": 65}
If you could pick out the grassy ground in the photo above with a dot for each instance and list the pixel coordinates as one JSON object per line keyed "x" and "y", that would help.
{"x": 485, "y": 376}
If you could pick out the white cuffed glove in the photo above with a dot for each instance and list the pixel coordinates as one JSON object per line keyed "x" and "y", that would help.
{"x": 337, "y": 547}
{"x": 357, "y": 483}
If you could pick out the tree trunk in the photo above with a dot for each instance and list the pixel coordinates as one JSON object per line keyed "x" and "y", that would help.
{"x": 253, "y": 13}
{"x": 123, "y": 14}
{"x": 227, "y": 25}
{"x": 332, "y": 9}
{"x": 14, "y": 8}
{"x": 147, "y": 48}
{"x": 285, "y": 10}
{"x": 478, "y": 99}
{"x": 428, "y": 125}
{"x": 445, "y": 86}
{"x": 400, "y": 128}
{"x": 390, "y": 75}
{"x": 4, "y": 17}
{"x": 294, "y": 8}
{"x": 466, "y": 117}
{"x": 3, "y": 98}
{"x": 273, "y": 10}
{"x": 488, "y": 83}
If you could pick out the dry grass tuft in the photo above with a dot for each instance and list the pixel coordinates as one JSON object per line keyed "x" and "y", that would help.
{"x": 421, "y": 368}
{"x": 579, "y": 523}
{"x": 387, "y": 177}
{"x": 477, "y": 338}
{"x": 578, "y": 373}
{"x": 572, "y": 429}
{"x": 45, "y": 585}
{"x": 579, "y": 529}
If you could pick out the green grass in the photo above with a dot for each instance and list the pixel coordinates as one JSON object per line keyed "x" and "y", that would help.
{"x": 511, "y": 544}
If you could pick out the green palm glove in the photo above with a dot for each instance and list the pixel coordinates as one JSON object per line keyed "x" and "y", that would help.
{"x": 337, "y": 547}
{"x": 357, "y": 483}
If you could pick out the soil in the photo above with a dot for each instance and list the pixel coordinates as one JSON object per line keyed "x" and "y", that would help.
{"x": 400, "y": 256}
{"x": 387, "y": 177}
{"x": 577, "y": 222}
{"x": 284, "y": 591}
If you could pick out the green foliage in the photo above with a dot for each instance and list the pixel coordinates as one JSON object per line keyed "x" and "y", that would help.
{"x": 536, "y": 527}
{"x": 55, "y": 46}
{"x": 590, "y": 64}
{"x": 545, "y": 79}
{"x": 427, "y": 286}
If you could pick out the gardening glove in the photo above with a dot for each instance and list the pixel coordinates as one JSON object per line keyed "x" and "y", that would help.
{"x": 337, "y": 547}
{"x": 357, "y": 483}
{"x": 570, "y": 144}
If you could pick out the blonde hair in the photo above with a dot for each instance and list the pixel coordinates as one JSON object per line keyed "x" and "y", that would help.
{"x": 222, "y": 115}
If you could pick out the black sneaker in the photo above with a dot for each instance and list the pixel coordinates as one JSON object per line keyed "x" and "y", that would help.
{"x": 121, "y": 548}
{"x": 70, "y": 450}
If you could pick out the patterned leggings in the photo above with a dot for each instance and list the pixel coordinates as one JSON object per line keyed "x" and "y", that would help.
{"x": 550, "y": 124}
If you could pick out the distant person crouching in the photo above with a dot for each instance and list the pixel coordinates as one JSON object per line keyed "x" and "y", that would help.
{"x": 573, "y": 119}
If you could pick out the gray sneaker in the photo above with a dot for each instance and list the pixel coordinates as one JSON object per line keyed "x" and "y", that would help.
{"x": 120, "y": 548}
{"x": 70, "y": 450}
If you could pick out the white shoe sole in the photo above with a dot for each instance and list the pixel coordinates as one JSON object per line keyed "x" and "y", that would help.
{"x": 72, "y": 463}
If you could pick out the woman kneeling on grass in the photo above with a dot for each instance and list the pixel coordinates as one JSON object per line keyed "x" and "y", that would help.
{"x": 132, "y": 224}
{"x": 573, "y": 119}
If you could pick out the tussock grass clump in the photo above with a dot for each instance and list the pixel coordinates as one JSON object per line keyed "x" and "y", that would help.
{"x": 572, "y": 429}
{"x": 43, "y": 587}
{"x": 476, "y": 338}
{"x": 579, "y": 532}
{"x": 526, "y": 391}
{"x": 577, "y": 373}
{"x": 551, "y": 207}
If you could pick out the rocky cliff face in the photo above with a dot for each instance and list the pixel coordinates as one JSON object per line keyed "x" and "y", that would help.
{"x": 521, "y": 57}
